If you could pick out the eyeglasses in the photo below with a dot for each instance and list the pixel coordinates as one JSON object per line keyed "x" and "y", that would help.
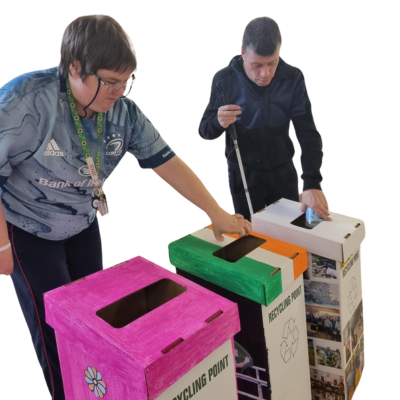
{"x": 114, "y": 88}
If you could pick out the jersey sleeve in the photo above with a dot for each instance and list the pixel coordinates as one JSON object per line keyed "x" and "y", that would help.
{"x": 19, "y": 137}
{"x": 146, "y": 144}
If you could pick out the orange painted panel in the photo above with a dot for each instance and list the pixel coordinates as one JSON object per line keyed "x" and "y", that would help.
{"x": 300, "y": 263}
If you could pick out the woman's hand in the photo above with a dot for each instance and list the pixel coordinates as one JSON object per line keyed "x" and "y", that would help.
{"x": 6, "y": 262}
{"x": 222, "y": 222}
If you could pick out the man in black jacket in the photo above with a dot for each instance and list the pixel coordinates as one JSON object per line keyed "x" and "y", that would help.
{"x": 265, "y": 95}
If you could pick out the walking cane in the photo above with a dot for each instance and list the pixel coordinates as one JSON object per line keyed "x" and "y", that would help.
{"x": 232, "y": 131}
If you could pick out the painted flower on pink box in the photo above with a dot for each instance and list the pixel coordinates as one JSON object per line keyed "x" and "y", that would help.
{"x": 96, "y": 385}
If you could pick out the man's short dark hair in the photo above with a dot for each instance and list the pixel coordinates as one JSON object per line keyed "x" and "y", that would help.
{"x": 262, "y": 36}
{"x": 97, "y": 42}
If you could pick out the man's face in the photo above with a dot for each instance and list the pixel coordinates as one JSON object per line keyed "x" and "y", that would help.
{"x": 85, "y": 91}
{"x": 260, "y": 69}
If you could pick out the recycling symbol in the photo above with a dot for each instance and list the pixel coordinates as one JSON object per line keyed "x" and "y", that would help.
{"x": 352, "y": 294}
{"x": 291, "y": 336}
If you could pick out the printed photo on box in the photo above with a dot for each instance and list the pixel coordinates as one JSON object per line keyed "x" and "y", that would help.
{"x": 248, "y": 373}
{"x": 362, "y": 354}
{"x": 323, "y": 267}
{"x": 348, "y": 350}
{"x": 325, "y": 385}
{"x": 329, "y": 357}
{"x": 243, "y": 359}
{"x": 357, "y": 322}
{"x": 323, "y": 323}
{"x": 351, "y": 377}
{"x": 359, "y": 353}
{"x": 311, "y": 352}
{"x": 362, "y": 344}
{"x": 321, "y": 293}
{"x": 346, "y": 332}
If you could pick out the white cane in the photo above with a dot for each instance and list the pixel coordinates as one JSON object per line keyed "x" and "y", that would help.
{"x": 232, "y": 131}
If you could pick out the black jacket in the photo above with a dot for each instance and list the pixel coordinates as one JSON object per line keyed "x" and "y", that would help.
{"x": 263, "y": 126}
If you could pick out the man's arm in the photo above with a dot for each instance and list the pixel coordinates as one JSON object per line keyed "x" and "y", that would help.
{"x": 307, "y": 135}
{"x": 177, "y": 174}
{"x": 209, "y": 127}
{"x": 311, "y": 151}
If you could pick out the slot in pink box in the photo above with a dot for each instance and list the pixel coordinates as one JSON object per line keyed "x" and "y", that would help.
{"x": 138, "y": 331}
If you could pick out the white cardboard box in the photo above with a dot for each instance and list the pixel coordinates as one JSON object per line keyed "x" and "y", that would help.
{"x": 337, "y": 239}
{"x": 333, "y": 294}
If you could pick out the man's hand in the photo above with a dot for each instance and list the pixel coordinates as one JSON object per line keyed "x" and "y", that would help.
{"x": 227, "y": 114}
{"x": 222, "y": 222}
{"x": 315, "y": 199}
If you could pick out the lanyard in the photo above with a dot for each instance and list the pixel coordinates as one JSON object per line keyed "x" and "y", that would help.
{"x": 93, "y": 168}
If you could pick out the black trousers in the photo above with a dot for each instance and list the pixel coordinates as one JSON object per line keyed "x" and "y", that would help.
{"x": 41, "y": 265}
{"x": 265, "y": 186}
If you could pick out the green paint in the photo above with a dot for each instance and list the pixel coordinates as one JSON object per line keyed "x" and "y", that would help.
{"x": 246, "y": 277}
{"x": 273, "y": 287}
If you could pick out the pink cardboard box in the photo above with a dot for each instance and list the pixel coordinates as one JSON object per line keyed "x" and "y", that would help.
{"x": 138, "y": 331}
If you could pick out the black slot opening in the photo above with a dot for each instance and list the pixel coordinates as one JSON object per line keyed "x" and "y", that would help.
{"x": 128, "y": 309}
{"x": 239, "y": 248}
{"x": 301, "y": 222}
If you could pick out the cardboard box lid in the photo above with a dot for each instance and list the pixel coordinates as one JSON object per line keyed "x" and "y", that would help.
{"x": 161, "y": 345}
{"x": 261, "y": 275}
{"x": 336, "y": 239}
{"x": 296, "y": 253}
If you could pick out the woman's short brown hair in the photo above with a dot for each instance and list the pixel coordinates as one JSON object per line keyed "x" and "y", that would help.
{"x": 97, "y": 42}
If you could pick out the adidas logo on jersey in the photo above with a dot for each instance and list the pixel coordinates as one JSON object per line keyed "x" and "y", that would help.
{"x": 53, "y": 149}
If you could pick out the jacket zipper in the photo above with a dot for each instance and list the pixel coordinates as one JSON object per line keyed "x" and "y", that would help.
{"x": 262, "y": 112}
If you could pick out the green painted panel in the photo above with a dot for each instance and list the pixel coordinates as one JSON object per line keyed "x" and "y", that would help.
{"x": 273, "y": 288}
{"x": 247, "y": 277}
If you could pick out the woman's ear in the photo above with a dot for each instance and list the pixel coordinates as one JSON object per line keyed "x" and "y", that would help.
{"x": 75, "y": 69}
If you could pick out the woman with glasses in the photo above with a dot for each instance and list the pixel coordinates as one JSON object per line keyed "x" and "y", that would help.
{"x": 62, "y": 133}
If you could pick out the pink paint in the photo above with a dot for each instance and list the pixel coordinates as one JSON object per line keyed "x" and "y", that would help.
{"x": 129, "y": 359}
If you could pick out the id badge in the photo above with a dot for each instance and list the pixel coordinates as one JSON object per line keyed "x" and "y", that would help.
{"x": 100, "y": 201}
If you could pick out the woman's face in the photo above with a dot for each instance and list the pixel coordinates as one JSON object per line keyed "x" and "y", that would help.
{"x": 84, "y": 92}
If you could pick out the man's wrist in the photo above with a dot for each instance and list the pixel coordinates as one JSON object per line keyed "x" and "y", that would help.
{"x": 311, "y": 185}
{"x": 217, "y": 125}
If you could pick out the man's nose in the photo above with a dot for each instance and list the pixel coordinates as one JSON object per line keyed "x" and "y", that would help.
{"x": 265, "y": 72}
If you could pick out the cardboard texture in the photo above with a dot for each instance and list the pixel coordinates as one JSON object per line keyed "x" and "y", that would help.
{"x": 138, "y": 331}
{"x": 267, "y": 284}
{"x": 333, "y": 294}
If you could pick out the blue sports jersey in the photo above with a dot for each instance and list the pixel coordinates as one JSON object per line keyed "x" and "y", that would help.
{"x": 45, "y": 184}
